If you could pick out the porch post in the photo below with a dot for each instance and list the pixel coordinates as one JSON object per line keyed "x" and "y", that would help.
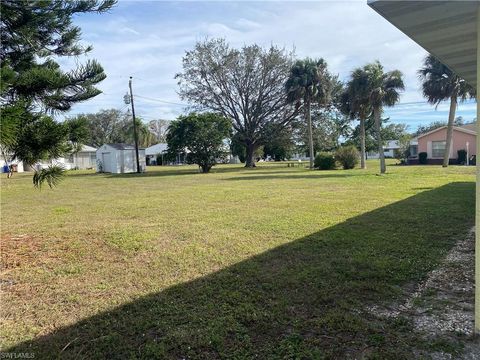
{"x": 477, "y": 198}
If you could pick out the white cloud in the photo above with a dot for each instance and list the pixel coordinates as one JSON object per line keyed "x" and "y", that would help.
{"x": 148, "y": 39}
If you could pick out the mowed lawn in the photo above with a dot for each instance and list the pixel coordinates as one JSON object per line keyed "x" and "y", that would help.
{"x": 268, "y": 263}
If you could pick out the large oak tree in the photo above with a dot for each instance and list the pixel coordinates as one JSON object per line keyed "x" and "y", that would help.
{"x": 245, "y": 85}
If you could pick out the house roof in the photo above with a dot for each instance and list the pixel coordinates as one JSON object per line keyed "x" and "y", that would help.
{"x": 123, "y": 146}
{"x": 156, "y": 149}
{"x": 471, "y": 126}
{"x": 446, "y": 29}
{"x": 456, "y": 128}
{"x": 86, "y": 148}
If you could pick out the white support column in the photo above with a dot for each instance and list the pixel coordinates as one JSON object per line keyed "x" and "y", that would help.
{"x": 477, "y": 192}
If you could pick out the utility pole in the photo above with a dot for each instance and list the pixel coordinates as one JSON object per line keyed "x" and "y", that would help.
{"x": 134, "y": 125}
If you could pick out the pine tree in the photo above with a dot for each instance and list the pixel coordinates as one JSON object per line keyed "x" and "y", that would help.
{"x": 34, "y": 35}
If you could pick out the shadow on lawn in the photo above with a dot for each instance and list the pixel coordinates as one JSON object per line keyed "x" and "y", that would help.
{"x": 305, "y": 299}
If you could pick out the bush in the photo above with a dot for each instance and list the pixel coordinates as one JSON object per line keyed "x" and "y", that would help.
{"x": 324, "y": 161}
{"x": 462, "y": 156}
{"x": 422, "y": 158}
{"x": 348, "y": 156}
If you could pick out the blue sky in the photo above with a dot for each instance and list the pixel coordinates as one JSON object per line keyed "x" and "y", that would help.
{"x": 147, "y": 39}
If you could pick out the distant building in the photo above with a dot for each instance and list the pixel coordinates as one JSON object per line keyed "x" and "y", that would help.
{"x": 83, "y": 159}
{"x": 86, "y": 158}
{"x": 388, "y": 150}
{"x": 433, "y": 143}
{"x": 119, "y": 158}
{"x": 153, "y": 152}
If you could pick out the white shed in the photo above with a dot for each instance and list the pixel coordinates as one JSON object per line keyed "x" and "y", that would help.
{"x": 119, "y": 158}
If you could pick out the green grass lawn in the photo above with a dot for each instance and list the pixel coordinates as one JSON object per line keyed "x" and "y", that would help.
{"x": 273, "y": 262}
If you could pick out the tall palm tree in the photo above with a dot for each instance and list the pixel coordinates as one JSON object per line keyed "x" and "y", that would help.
{"x": 355, "y": 104}
{"x": 381, "y": 89}
{"x": 309, "y": 83}
{"x": 439, "y": 83}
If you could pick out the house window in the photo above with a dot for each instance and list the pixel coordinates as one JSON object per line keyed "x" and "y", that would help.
{"x": 413, "y": 150}
{"x": 438, "y": 149}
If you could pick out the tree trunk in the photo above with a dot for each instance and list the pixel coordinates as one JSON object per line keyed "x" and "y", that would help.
{"x": 250, "y": 158}
{"x": 363, "y": 164}
{"x": 376, "y": 115}
{"x": 205, "y": 168}
{"x": 310, "y": 135}
{"x": 448, "y": 141}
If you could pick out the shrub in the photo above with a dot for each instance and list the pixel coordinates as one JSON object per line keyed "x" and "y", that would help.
{"x": 348, "y": 156}
{"x": 324, "y": 161}
{"x": 462, "y": 156}
{"x": 422, "y": 157}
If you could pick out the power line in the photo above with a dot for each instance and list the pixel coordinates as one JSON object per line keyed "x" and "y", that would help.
{"x": 161, "y": 101}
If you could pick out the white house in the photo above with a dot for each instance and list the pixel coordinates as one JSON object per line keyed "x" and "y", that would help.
{"x": 388, "y": 149}
{"x": 153, "y": 151}
{"x": 83, "y": 159}
{"x": 86, "y": 158}
{"x": 119, "y": 158}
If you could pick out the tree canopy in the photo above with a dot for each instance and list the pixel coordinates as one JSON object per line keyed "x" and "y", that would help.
{"x": 328, "y": 126}
{"x": 202, "y": 136}
{"x": 114, "y": 126}
{"x": 35, "y": 35}
{"x": 244, "y": 85}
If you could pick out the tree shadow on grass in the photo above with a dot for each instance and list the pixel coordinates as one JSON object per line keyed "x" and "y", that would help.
{"x": 305, "y": 299}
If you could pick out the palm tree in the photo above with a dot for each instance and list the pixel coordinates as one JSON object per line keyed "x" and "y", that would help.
{"x": 309, "y": 82}
{"x": 439, "y": 83}
{"x": 381, "y": 89}
{"x": 353, "y": 103}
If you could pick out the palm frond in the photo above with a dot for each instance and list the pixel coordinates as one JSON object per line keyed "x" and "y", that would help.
{"x": 51, "y": 175}
{"x": 439, "y": 83}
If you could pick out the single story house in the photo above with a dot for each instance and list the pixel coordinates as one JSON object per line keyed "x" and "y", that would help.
{"x": 433, "y": 143}
{"x": 152, "y": 152}
{"x": 119, "y": 158}
{"x": 86, "y": 158}
{"x": 388, "y": 150}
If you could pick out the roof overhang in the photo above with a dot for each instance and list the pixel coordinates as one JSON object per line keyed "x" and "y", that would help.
{"x": 455, "y": 128}
{"x": 446, "y": 29}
